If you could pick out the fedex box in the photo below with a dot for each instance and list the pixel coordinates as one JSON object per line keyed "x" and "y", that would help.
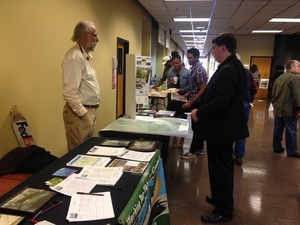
{"x": 21, "y": 128}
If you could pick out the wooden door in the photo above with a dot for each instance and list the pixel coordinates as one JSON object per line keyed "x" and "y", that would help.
{"x": 264, "y": 66}
{"x": 122, "y": 50}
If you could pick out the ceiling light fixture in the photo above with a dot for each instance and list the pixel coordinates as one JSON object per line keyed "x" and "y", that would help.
{"x": 189, "y": 0}
{"x": 194, "y": 36}
{"x": 191, "y": 19}
{"x": 285, "y": 20}
{"x": 266, "y": 31}
{"x": 192, "y": 31}
{"x": 195, "y": 41}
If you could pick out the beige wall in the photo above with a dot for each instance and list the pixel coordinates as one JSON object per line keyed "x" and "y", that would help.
{"x": 254, "y": 45}
{"x": 247, "y": 46}
{"x": 34, "y": 37}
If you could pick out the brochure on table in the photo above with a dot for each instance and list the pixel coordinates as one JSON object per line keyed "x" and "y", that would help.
{"x": 129, "y": 166}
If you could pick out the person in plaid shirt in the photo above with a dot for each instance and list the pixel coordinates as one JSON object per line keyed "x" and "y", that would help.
{"x": 198, "y": 81}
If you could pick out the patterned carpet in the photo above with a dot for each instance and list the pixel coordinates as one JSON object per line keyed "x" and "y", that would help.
{"x": 10, "y": 181}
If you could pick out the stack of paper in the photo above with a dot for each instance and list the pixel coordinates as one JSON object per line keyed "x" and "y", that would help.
{"x": 88, "y": 178}
{"x": 74, "y": 184}
{"x": 87, "y": 207}
{"x": 106, "y": 151}
{"x": 137, "y": 156}
{"x": 104, "y": 176}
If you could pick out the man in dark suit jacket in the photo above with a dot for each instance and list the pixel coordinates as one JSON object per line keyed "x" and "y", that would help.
{"x": 221, "y": 120}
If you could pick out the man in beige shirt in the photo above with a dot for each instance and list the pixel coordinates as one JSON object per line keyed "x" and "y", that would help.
{"x": 80, "y": 86}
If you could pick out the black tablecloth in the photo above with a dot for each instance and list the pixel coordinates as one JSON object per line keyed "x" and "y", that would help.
{"x": 58, "y": 214}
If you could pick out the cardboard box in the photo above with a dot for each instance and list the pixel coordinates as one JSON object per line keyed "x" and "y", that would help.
{"x": 21, "y": 128}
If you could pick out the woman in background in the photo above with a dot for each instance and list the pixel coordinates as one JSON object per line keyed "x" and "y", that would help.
{"x": 256, "y": 76}
{"x": 178, "y": 78}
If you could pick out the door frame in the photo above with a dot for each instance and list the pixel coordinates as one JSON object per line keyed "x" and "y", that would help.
{"x": 121, "y": 67}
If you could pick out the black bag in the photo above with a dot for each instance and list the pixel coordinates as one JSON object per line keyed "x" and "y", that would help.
{"x": 25, "y": 160}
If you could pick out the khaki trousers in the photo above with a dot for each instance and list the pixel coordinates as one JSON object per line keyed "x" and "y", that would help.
{"x": 78, "y": 129}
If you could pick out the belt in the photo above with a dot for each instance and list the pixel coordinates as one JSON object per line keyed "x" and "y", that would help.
{"x": 92, "y": 106}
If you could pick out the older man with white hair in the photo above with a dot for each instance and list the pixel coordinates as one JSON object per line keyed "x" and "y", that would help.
{"x": 80, "y": 86}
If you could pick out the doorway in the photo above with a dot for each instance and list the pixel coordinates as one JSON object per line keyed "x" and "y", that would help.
{"x": 264, "y": 66}
{"x": 122, "y": 50}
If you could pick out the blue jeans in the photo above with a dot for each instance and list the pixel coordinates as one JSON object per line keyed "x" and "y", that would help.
{"x": 239, "y": 146}
{"x": 290, "y": 125}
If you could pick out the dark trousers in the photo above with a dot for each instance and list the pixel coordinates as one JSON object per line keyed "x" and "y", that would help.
{"x": 177, "y": 107}
{"x": 221, "y": 171}
{"x": 197, "y": 142}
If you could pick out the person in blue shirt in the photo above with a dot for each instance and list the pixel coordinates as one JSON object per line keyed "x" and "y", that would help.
{"x": 179, "y": 78}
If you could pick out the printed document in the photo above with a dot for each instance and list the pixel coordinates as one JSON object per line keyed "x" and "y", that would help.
{"x": 87, "y": 207}
{"x": 88, "y": 160}
{"x": 73, "y": 184}
{"x": 104, "y": 176}
{"x": 137, "y": 156}
{"x": 106, "y": 151}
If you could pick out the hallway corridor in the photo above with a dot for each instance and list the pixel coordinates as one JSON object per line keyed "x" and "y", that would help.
{"x": 266, "y": 188}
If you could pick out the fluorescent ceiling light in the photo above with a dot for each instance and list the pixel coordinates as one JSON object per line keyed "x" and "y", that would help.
{"x": 285, "y": 20}
{"x": 266, "y": 31}
{"x": 192, "y": 31}
{"x": 194, "y": 36}
{"x": 191, "y": 19}
{"x": 195, "y": 46}
{"x": 189, "y": 0}
{"x": 198, "y": 42}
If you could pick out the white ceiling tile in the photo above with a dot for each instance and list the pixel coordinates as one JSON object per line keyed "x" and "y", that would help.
{"x": 236, "y": 16}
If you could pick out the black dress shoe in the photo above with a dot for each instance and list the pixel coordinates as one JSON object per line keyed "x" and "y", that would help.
{"x": 280, "y": 151}
{"x": 238, "y": 160}
{"x": 296, "y": 154}
{"x": 209, "y": 199}
{"x": 215, "y": 218}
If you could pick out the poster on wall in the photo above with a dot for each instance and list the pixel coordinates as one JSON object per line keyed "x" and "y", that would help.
{"x": 167, "y": 41}
{"x": 161, "y": 35}
{"x": 143, "y": 74}
{"x": 114, "y": 71}
{"x": 264, "y": 83}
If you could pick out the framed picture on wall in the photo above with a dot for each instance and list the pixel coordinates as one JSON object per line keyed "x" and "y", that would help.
{"x": 264, "y": 83}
